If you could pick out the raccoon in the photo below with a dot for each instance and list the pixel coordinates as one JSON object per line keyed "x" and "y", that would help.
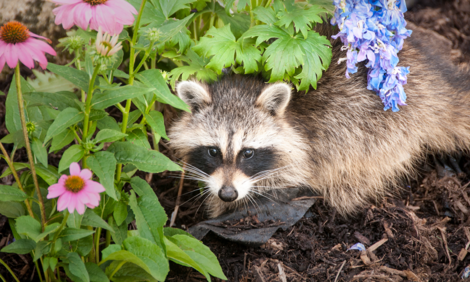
{"x": 245, "y": 136}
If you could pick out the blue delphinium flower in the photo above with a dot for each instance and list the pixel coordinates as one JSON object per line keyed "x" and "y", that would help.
{"x": 374, "y": 30}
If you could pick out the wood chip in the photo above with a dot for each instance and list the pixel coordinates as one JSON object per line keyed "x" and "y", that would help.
{"x": 393, "y": 271}
{"x": 282, "y": 274}
{"x": 364, "y": 240}
{"x": 365, "y": 258}
{"x": 389, "y": 232}
{"x": 259, "y": 275}
{"x": 462, "y": 254}
{"x": 377, "y": 245}
{"x": 411, "y": 276}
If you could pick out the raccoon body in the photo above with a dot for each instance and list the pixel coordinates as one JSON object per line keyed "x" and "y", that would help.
{"x": 245, "y": 136}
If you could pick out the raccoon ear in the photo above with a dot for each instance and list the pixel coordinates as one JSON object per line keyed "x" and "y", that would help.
{"x": 193, "y": 94}
{"x": 275, "y": 98}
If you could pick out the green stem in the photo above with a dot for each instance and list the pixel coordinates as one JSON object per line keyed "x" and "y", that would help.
{"x": 268, "y": 4}
{"x": 79, "y": 67}
{"x": 9, "y": 269}
{"x": 86, "y": 123}
{"x": 153, "y": 63}
{"x": 97, "y": 244}
{"x": 57, "y": 233}
{"x": 38, "y": 271}
{"x": 117, "y": 269}
{"x": 76, "y": 135}
{"x": 17, "y": 178}
{"x": 28, "y": 146}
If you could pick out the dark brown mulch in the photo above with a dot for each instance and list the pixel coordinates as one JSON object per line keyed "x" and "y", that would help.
{"x": 420, "y": 235}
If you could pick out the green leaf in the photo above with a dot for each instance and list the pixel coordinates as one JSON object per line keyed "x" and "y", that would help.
{"x": 17, "y": 166}
{"x": 61, "y": 140}
{"x": 92, "y": 219}
{"x": 240, "y": 5}
{"x": 109, "y": 135}
{"x": 288, "y": 52}
{"x": 39, "y": 151}
{"x": 65, "y": 119}
{"x": 169, "y": 7}
{"x": 48, "y": 174}
{"x": 153, "y": 78}
{"x": 141, "y": 222}
{"x": 42, "y": 248}
{"x": 170, "y": 231}
{"x": 120, "y": 232}
{"x": 223, "y": 47}
{"x": 200, "y": 253}
{"x": 77, "y": 267}
{"x": 138, "y": 138}
{"x": 58, "y": 100}
{"x": 97, "y": 114}
{"x": 12, "y": 209}
{"x": 301, "y": 18}
{"x": 16, "y": 137}
{"x": 151, "y": 210}
{"x": 326, "y": 4}
{"x": 72, "y": 234}
{"x": 151, "y": 254}
{"x": 96, "y": 273}
{"x": 8, "y": 193}
{"x": 143, "y": 159}
{"x": 112, "y": 248}
{"x": 73, "y": 154}
{"x": 12, "y": 116}
{"x": 82, "y": 246}
{"x": 75, "y": 220}
{"x": 49, "y": 82}
{"x": 103, "y": 164}
{"x": 239, "y": 22}
{"x": 129, "y": 272}
{"x": 156, "y": 122}
{"x": 196, "y": 65}
{"x": 108, "y": 123}
{"x": 20, "y": 246}
{"x": 149, "y": 14}
{"x": 26, "y": 225}
{"x": 120, "y": 212}
{"x": 266, "y": 15}
{"x": 77, "y": 77}
{"x": 114, "y": 96}
{"x": 49, "y": 262}
{"x": 177, "y": 255}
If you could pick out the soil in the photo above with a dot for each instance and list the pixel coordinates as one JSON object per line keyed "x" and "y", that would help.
{"x": 421, "y": 234}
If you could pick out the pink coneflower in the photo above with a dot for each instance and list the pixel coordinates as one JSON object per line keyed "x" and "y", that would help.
{"x": 76, "y": 191}
{"x": 111, "y": 15}
{"x": 106, "y": 45}
{"x": 17, "y": 43}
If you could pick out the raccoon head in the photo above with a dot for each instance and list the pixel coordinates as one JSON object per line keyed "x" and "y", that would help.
{"x": 235, "y": 135}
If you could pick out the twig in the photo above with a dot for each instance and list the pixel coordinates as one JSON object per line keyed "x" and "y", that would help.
{"x": 282, "y": 274}
{"x": 376, "y": 245}
{"x": 178, "y": 198}
{"x": 339, "y": 271}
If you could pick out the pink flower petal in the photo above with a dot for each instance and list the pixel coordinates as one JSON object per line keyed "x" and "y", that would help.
{"x": 125, "y": 5}
{"x": 122, "y": 12}
{"x": 66, "y": 2}
{"x": 62, "y": 179}
{"x": 72, "y": 203}
{"x": 74, "y": 169}
{"x": 91, "y": 206}
{"x": 93, "y": 186}
{"x": 86, "y": 174}
{"x": 55, "y": 191}
{"x": 82, "y": 15}
{"x": 25, "y": 55}
{"x": 11, "y": 55}
{"x": 36, "y": 53}
{"x": 105, "y": 18}
{"x": 80, "y": 207}
{"x": 68, "y": 20}
{"x": 63, "y": 201}
{"x": 2, "y": 62}
{"x": 38, "y": 36}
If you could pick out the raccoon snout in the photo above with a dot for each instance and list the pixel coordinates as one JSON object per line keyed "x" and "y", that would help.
{"x": 228, "y": 194}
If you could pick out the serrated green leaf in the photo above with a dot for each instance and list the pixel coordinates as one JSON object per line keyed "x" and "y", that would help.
{"x": 109, "y": 135}
{"x": 120, "y": 232}
{"x": 61, "y": 140}
{"x": 241, "y": 4}
{"x": 39, "y": 151}
{"x": 77, "y": 267}
{"x": 153, "y": 78}
{"x": 112, "y": 97}
{"x": 156, "y": 122}
{"x": 266, "y": 15}
{"x": 92, "y": 219}
{"x": 326, "y": 4}
{"x": 20, "y": 246}
{"x": 223, "y": 46}
{"x": 77, "y": 77}
{"x": 112, "y": 248}
{"x": 175, "y": 254}
{"x": 301, "y": 18}
{"x": 82, "y": 246}
{"x": 143, "y": 159}
{"x": 287, "y": 53}
{"x": 169, "y": 7}
{"x": 73, "y": 154}
{"x": 65, "y": 119}
{"x": 12, "y": 209}
{"x": 72, "y": 234}
{"x": 239, "y": 22}
{"x": 196, "y": 66}
{"x": 9, "y": 193}
{"x": 42, "y": 248}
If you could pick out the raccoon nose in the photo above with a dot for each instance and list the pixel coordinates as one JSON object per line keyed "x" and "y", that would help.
{"x": 228, "y": 194}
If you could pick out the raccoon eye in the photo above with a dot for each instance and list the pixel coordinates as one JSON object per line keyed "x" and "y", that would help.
{"x": 213, "y": 152}
{"x": 248, "y": 153}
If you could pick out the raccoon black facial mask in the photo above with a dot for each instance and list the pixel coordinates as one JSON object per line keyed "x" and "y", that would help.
{"x": 336, "y": 139}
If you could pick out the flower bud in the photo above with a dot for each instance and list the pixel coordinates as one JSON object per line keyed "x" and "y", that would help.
{"x": 153, "y": 34}
{"x": 30, "y": 127}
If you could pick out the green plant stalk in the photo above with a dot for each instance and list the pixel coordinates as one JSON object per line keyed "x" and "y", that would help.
{"x": 38, "y": 270}
{"x": 17, "y": 178}
{"x": 9, "y": 270}
{"x": 86, "y": 122}
{"x": 97, "y": 244}
{"x": 125, "y": 115}
{"x": 79, "y": 67}
{"x": 28, "y": 146}
{"x": 76, "y": 135}
{"x": 57, "y": 233}
{"x": 3, "y": 279}
{"x": 146, "y": 55}
{"x": 116, "y": 270}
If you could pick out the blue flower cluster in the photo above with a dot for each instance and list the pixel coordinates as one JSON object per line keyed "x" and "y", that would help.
{"x": 375, "y": 30}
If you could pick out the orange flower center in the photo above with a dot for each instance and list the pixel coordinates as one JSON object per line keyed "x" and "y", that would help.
{"x": 13, "y": 32}
{"x": 74, "y": 183}
{"x": 95, "y": 2}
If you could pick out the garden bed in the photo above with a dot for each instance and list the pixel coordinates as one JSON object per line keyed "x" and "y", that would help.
{"x": 420, "y": 235}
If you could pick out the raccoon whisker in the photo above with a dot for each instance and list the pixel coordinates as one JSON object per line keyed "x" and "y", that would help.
{"x": 209, "y": 196}
{"x": 253, "y": 201}
{"x": 269, "y": 198}
{"x": 192, "y": 168}
{"x": 196, "y": 197}
{"x": 266, "y": 173}
{"x": 199, "y": 189}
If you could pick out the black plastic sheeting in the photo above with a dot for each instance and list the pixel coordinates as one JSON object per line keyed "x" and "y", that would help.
{"x": 284, "y": 209}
